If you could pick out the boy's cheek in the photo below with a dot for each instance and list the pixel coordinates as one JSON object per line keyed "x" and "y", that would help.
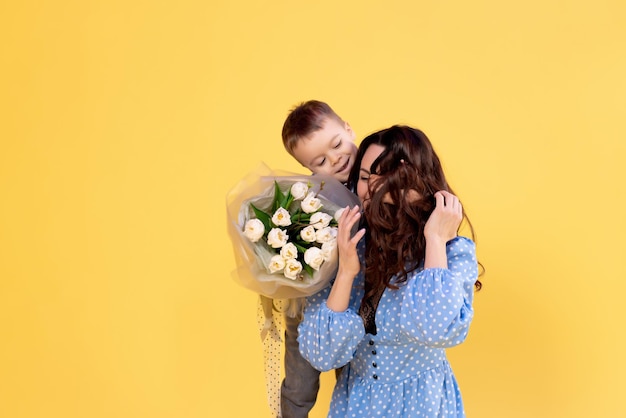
{"x": 317, "y": 170}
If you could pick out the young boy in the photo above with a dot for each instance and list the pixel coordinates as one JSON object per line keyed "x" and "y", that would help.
{"x": 323, "y": 143}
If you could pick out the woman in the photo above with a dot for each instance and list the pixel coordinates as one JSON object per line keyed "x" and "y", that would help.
{"x": 390, "y": 324}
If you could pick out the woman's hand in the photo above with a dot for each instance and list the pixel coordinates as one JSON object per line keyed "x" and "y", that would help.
{"x": 444, "y": 221}
{"x": 440, "y": 228}
{"x": 349, "y": 265}
{"x": 348, "y": 258}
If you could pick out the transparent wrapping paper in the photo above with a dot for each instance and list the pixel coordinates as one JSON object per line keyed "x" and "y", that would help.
{"x": 252, "y": 258}
{"x": 278, "y": 294}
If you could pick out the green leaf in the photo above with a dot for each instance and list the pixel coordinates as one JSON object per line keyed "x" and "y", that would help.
{"x": 299, "y": 220}
{"x": 304, "y": 217}
{"x": 288, "y": 200}
{"x": 278, "y": 197}
{"x": 299, "y": 247}
{"x": 263, "y": 217}
{"x": 308, "y": 269}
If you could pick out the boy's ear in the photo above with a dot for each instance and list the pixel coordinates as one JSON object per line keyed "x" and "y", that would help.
{"x": 349, "y": 130}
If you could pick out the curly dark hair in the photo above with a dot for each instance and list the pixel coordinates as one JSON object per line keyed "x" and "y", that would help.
{"x": 395, "y": 242}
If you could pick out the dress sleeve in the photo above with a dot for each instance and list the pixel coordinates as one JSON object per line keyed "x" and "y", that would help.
{"x": 437, "y": 306}
{"x": 328, "y": 339}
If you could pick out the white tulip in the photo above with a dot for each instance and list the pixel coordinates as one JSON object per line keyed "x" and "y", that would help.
{"x": 308, "y": 234}
{"x": 292, "y": 269}
{"x": 329, "y": 248}
{"x": 320, "y": 220}
{"x": 298, "y": 190}
{"x": 277, "y": 263}
{"x": 277, "y": 238}
{"x": 311, "y": 203}
{"x": 314, "y": 257}
{"x": 325, "y": 234}
{"x": 254, "y": 230}
{"x": 338, "y": 213}
{"x": 281, "y": 217}
{"x": 288, "y": 251}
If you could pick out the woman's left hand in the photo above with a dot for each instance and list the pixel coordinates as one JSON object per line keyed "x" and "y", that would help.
{"x": 444, "y": 221}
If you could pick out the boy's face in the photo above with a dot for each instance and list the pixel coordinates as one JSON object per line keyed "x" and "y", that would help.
{"x": 330, "y": 150}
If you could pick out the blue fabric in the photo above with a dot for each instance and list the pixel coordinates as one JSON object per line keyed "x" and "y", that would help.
{"x": 402, "y": 371}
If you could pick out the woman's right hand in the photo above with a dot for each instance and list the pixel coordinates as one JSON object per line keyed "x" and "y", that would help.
{"x": 349, "y": 263}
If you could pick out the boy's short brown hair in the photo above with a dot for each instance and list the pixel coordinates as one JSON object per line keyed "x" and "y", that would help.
{"x": 303, "y": 120}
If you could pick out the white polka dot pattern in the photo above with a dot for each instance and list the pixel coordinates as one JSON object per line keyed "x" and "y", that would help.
{"x": 402, "y": 371}
{"x": 273, "y": 352}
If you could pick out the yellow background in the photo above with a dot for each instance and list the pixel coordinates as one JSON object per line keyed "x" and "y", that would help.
{"x": 125, "y": 123}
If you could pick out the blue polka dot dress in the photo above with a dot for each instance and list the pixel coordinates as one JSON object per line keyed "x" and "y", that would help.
{"x": 402, "y": 371}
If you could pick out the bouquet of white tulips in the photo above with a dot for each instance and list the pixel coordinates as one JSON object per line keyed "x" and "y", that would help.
{"x": 283, "y": 228}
